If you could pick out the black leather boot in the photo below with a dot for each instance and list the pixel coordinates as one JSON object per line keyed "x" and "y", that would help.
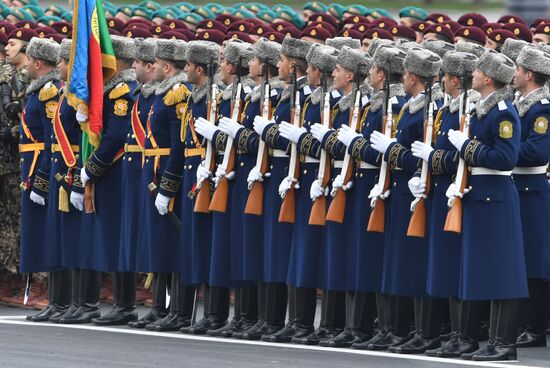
{"x": 158, "y": 310}
{"x": 181, "y": 307}
{"x": 75, "y": 293}
{"x": 59, "y": 296}
{"x": 216, "y": 312}
{"x": 124, "y": 309}
{"x": 452, "y": 340}
{"x": 246, "y": 308}
{"x": 302, "y": 304}
{"x": 536, "y": 316}
{"x": 262, "y": 313}
{"x": 88, "y": 300}
{"x": 382, "y": 313}
{"x": 236, "y": 316}
{"x": 277, "y": 299}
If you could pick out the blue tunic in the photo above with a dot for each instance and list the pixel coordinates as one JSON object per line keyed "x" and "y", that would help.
{"x": 100, "y": 231}
{"x": 36, "y": 127}
{"x": 63, "y": 228}
{"x": 534, "y": 190}
{"x": 492, "y": 254}
{"x": 133, "y": 192}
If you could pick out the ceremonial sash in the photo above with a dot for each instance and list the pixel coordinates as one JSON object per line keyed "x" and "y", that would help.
{"x": 66, "y": 149}
{"x": 137, "y": 127}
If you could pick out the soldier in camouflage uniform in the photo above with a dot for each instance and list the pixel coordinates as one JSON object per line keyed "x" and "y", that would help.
{"x": 13, "y": 83}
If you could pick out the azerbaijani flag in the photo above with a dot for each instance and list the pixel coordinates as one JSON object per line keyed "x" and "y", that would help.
{"x": 91, "y": 61}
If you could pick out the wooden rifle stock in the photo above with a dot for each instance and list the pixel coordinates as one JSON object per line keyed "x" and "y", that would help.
{"x": 221, "y": 194}
{"x": 89, "y": 193}
{"x": 255, "y": 201}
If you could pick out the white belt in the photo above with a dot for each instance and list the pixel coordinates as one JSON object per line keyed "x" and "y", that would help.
{"x": 536, "y": 170}
{"x": 338, "y": 164}
{"x": 279, "y": 153}
{"x": 220, "y": 153}
{"x": 365, "y": 165}
{"x": 311, "y": 160}
{"x": 485, "y": 171}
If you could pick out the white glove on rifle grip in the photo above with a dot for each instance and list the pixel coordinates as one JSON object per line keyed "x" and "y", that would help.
{"x": 161, "y": 203}
{"x": 77, "y": 200}
{"x": 37, "y": 198}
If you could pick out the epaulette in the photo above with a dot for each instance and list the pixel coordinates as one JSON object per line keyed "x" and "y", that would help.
{"x": 120, "y": 90}
{"x": 177, "y": 94}
{"x": 48, "y": 92}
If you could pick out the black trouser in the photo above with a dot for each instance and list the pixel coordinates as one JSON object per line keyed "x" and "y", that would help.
{"x": 276, "y": 303}
{"x": 401, "y": 312}
{"x": 305, "y": 303}
{"x": 59, "y": 288}
{"x": 160, "y": 284}
{"x": 246, "y": 303}
{"x": 428, "y": 316}
{"x": 182, "y": 297}
{"x": 363, "y": 313}
{"x": 536, "y": 308}
{"x": 124, "y": 289}
{"x": 333, "y": 310}
{"x": 504, "y": 323}
{"x": 216, "y": 302}
{"x": 89, "y": 286}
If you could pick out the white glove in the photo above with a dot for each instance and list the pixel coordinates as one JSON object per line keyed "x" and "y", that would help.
{"x": 161, "y": 203}
{"x": 376, "y": 192}
{"x": 380, "y": 142}
{"x": 37, "y": 198}
{"x": 229, "y": 126}
{"x": 457, "y": 138}
{"x": 204, "y": 128}
{"x": 84, "y": 176}
{"x": 416, "y": 187}
{"x": 291, "y": 132}
{"x": 346, "y": 135}
{"x": 421, "y": 150}
{"x": 319, "y": 131}
{"x": 81, "y": 116}
{"x": 453, "y": 192}
{"x": 77, "y": 200}
{"x": 220, "y": 171}
{"x": 202, "y": 172}
{"x": 317, "y": 190}
{"x": 260, "y": 123}
{"x": 253, "y": 176}
{"x": 338, "y": 183}
{"x": 285, "y": 186}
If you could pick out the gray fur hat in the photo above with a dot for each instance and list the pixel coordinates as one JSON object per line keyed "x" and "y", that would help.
{"x": 267, "y": 51}
{"x": 295, "y": 48}
{"x": 171, "y": 50}
{"x": 235, "y": 50}
{"x": 408, "y": 46}
{"x": 543, "y": 47}
{"x": 322, "y": 57}
{"x": 124, "y": 47}
{"x": 391, "y": 59}
{"x": 535, "y": 60}
{"x": 423, "y": 63}
{"x": 439, "y": 47}
{"x": 470, "y": 47}
{"x": 43, "y": 49}
{"x": 497, "y": 66}
{"x": 512, "y": 47}
{"x": 354, "y": 60}
{"x": 376, "y": 43}
{"x": 202, "y": 52}
{"x": 65, "y": 49}
{"x": 460, "y": 64}
{"x": 145, "y": 49}
{"x": 339, "y": 42}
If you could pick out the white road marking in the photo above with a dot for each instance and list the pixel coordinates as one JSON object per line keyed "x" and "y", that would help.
{"x": 20, "y": 320}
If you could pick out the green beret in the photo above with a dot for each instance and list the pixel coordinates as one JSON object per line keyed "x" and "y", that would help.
{"x": 357, "y": 9}
{"x": 266, "y": 15}
{"x": 413, "y": 12}
{"x": 48, "y": 19}
{"x": 34, "y": 10}
{"x": 244, "y": 14}
{"x": 280, "y": 7}
{"x": 185, "y": 7}
{"x": 56, "y": 9}
{"x": 143, "y": 12}
{"x": 128, "y": 10}
{"x": 29, "y": 2}
{"x": 291, "y": 17}
{"x": 204, "y": 12}
{"x": 215, "y": 7}
{"x": 4, "y": 10}
{"x": 192, "y": 18}
{"x": 21, "y": 14}
{"x": 316, "y": 6}
{"x": 151, "y": 5}
{"x": 378, "y": 13}
{"x": 257, "y": 7}
{"x": 336, "y": 10}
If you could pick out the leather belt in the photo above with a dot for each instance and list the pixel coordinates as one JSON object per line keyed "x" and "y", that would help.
{"x": 279, "y": 153}
{"x": 536, "y": 170}
{"x": 365, "y": 165}
{"x": 57, "y": 148}
{"x": 31, "y": 147}
{"x": 311, "y": 160}
{"x": 338, "y": 164}
{"x": 132, "y": 148}
{"x": 157, "y": 152}
{"x": 486, "y": 171}
{"x": 192, "y": 152}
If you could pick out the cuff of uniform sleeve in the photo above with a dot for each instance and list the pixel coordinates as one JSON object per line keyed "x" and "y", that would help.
{"x": 95, "y": 168}
{"x": 77, "y": 186}
{"x": 169, "y": 184}
{"x": 41, "y": 184}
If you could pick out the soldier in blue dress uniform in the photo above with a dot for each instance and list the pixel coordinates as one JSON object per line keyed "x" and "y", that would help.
{"x": 196, "y": 239}
{"x": 247, "y": 241}
{"x": 278, "y": 235}
{"x": 492, "y": 252}
{"x": 233, "y": 72}
{"x": 351, "y": 69}
{"x": 100, "y": 230}
{"x": 35, "y": 145}
{"x": 533, "y": 108}
{"x": 385, "y": 78}
{"x": 307, "y": 242}
{"x": 405, "y": 258}
{"x": 163, "y": 165}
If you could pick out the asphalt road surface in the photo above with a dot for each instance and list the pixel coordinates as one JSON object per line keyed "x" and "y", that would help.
{"x": 28, "y": 345}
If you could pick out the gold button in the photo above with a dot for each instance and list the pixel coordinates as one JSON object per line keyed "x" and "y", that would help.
{"x": 242, "y": 164}
{"x": 394, "y": 184}
{"x": 271, "y": 167}
{"x": 436, "y": 184}
{"x": 128, "y": 135}
{"x": 475, "y": 136}
{"x": 22, "y": 160}
{"x": 133, "y": 135}
{"x": 305, "y": 172}
{"x": 146, "y": 160}
{"x": 124, "y": 158}
{"x": 129, "y": 159}
{"x": 526, "y": 189}
{"x": 488, "y": 199}
{"x": 55, "y": 160}
{"x": 190, "y": 167}
{"x": 361, "y": 175}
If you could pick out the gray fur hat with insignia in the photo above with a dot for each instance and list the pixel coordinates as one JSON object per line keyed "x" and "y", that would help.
{"x": 235, "y": 50}
{"x": 535, "y": 60}
{"x": 390, "y": 59}
{"x": 354, "y": 60}
{"x": 43, "y": 49}
{"x": 267, "y": 51}
{"x": 339, "y": 42}
{"x": 295, "y": 48}
{"x": 171, "y": 50}
{"x": 202, "y": 52}
{"x": 322, "y": 57}
{"x": 439, "y": 47}
{"x": 460, "y": 64}
{"x": 145, "y": 49}
{"x": 497, "y": 66}
{"x": 408, "y": 46}
{"x": 512, "y": 48}
{"x": 376, "y": 43}
{"x": 423, "y": 63}
{"x": 65, "y": 49}
{"x": 470, "y": 47}
{"x": 124, "y": 47}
